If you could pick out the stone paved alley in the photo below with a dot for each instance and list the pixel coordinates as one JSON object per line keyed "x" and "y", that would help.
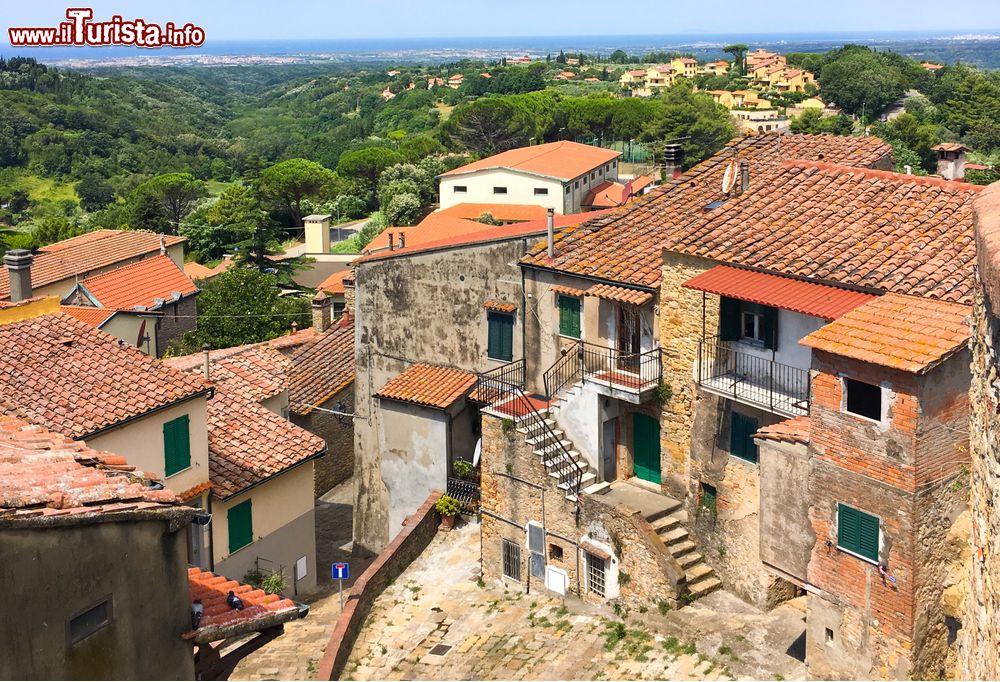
{"x": 495, "y": 634}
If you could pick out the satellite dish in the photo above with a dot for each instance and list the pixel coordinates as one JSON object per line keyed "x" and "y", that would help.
{"x": 729, "y": 177}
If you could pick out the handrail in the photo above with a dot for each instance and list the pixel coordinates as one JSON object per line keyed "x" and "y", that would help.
{"x": 493, "y": 390}
{"x": 568, "y": 369}
{"x": 752, "y": 379}
{"x": 512, "y": 373}
{"x": 642, "y": 369}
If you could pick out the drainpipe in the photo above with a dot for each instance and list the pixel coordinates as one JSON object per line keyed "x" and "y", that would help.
{"x": 550, "y": 218}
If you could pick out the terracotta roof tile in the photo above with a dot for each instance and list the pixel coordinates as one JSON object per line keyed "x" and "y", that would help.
{"x": 606, "y": 195}
{"x": 794, "y": 430}
{"x": 58, "y": 372}
{"x": 568, "y": 291}
{"x": 860, "y": 227}
{"x": 334, "y": 284}
{"x": 500, "y": 306}
{"x": 94, "y": 317}
{"x": 808, "y": 298}
{"x": 219, "y": 621}
{"x": 86, "y": 253}
{"x": 903, "y": 332}
{"x": 143, "y": 285}
{"x": 45, "y": 474}
{"x": 322, "y": 368}
{"x": 626, "y": 244}
{"x": 504, "y": 212}
{"x": 429, "y": 385}
{"x": 562, "y": 160}
{"x": 619, "y": 294}
{"x": 195, "y": 491}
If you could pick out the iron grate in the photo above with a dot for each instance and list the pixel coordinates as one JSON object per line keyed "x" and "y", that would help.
{"x": 439, "y": 649}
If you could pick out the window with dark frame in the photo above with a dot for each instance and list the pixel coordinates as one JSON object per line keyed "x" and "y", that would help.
{"x": 555, "y": 552}
{"x": 541, "y": 190}
{"x": 89, "y": 622}
{"x": 748, "y": 322}
{"x": 595, "y": 574}
{"x": 857, "y": 532}
{"x": 499, "y": 190}
{"x": 511, "y": 552}
{"x": 461, "y": 189}
{"x": 176, "y": 445}
{"x": 569, "y": 316}
{"x": 500, "y": 336}
{"x": 863, "y": 399}
{"x": 752, "y": 327}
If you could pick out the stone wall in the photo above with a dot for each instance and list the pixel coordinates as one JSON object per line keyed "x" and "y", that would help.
{"x": 337, "y": 465}
{"x": 417, "y": 533}
{"x": 177, "y": 319}
{"x": 980, "y": 630}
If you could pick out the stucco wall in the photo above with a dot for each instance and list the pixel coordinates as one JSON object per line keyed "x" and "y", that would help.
{"x": 53, "y": 574}
{"x": 127, "y": 327}
{"x": 141, "y": 443}
{"x": 786, "y": 537}
{"x": 791, "y": 328}
{"x": 520, "y": 189}
{"x": 283, "y": 528}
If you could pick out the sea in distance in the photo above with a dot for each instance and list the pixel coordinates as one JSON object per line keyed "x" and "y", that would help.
{"x": 978, "y": 47}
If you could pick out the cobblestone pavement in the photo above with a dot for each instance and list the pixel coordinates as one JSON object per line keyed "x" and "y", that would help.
{"x": 495, "y": 634}
{"x": 296, "y": 654}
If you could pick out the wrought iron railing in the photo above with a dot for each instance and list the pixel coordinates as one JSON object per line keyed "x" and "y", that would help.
{"x": 753, "y": 380}
{"x": 493, "y": 383}
{"x": 466, "y": 492}
{"x": 636, "y": 371}
{"x": 511, "y": 401}
{"x": 568, "y": 369}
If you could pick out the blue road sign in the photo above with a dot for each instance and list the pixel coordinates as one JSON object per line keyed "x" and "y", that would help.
{"x": 340, "y": 571}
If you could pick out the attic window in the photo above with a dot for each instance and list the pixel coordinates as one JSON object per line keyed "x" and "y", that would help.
{"x": 89, "y": 621}
{"x": 863, "y": 399}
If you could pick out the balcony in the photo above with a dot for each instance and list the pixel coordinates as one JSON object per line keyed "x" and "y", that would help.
{"x": 628, "y": 376}
{"x": 752, "y": 380}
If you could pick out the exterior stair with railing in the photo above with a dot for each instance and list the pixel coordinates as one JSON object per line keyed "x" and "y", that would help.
{"x": 555, "y": 451}
{"x": 591, "y": 486}
{"x": 669, "y": 525}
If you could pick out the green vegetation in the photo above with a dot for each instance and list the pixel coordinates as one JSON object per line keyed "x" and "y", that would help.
{"x": 447, "y": 506}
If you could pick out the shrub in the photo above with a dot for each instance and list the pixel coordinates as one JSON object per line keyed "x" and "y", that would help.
{"x": 462, "y": 468}
{"x": 447, "y": 506}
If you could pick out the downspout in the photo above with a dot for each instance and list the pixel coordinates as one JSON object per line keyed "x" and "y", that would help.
{"x": 211, "y": 537}
{"x": 524, "y": 317}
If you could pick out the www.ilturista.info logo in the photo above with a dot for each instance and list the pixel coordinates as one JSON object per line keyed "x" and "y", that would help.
{"x": 80, "y": 30}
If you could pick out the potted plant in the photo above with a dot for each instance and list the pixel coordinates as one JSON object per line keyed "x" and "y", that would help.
{"x": 448, "y": 507}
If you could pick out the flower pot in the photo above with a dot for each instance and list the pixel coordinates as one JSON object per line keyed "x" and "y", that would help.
{"x": 447, "y": 522}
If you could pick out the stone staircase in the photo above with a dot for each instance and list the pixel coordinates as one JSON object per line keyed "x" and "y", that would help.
{"x": 669, "y": 526}
{"x": 555, "y": 451}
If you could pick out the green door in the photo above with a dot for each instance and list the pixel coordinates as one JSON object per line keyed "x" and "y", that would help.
{"x": 646, "y": 436}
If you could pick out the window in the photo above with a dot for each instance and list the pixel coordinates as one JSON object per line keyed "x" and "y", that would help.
{"x": 569, "y": 316}
{"x": 709, "y": 498}
{"x": 541, "y": 190}
{"x": 857, "y": 532}
{"x": 511, "y": 552}
{"x": 829, "y": 635}
{"x": 461, "y": 189}
{"x": 240, "y": 519}
{"x": 595, "y": 574}
{"x": 89, "y": 622}
{"x": 741, "y": 442}
{"x": 500, "y": 336}
{"x": 864, "y": 400}
{"x": 176, "y": 445}
{"x": 536, "y": 547}
{"x": 568, "y": 189}
{"x": 499, "y": 190}
{"x": 555, "y": 552}
{"x": 576, "y": 184}
{"x": 748, "y": 322}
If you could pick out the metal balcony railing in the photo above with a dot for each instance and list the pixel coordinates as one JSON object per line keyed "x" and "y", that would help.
{"x": 752, "y": 380}
{"x": 633, "y": 372}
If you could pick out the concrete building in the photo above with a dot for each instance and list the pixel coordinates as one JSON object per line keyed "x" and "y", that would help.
{"x": 951, "y": 160}
{"x": 556, "y": 175}
{"x": 757, "y": 121}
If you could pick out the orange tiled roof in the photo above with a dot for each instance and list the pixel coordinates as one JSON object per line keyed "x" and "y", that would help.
{"x": 504, "y": 212}
{"x": 619, "y": 294}
{"x": 429, "y": 385}
{"x": 794, "y": 430}
{"x": 45, "y": 475}
{"x": 334, "y": 284}
{"x": 561, "y": 160}
{"x": 606, "y": 195}
{"x": 86, "y": 253}
{"x": 322, "y": 368}
{"x": 58, "y": 372}
{"x": 568, "y": 291}
{"x": 500, "y": 306}
{"x": 261, "y": 610}
{"x": 950, "y": 147}
{"x": 195, "y": 491}
{"x": 860, "y": 227}
{"x": 95, "y": 317}
{"x": 626, "y": 244}
{"x": 143, "y": 285}
{"x": 903, "y": 332}
{"x": 199, "y": 271}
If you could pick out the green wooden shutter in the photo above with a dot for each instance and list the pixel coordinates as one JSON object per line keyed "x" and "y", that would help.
{"x": 569, "y": 316}
{"x": 770, "y": 327}
{"x": 857, "y": 532}
{"x": 729, "y": 319}
{"x": 500, "y": 336}
{"x": 741, "y": 442}
{"x": 176, "y": 445}
{"x": 240, "y": 518}
{"x": 869, "y": 536}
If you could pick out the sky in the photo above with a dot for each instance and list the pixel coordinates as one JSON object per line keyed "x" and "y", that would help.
{"x": 312, "y": 19}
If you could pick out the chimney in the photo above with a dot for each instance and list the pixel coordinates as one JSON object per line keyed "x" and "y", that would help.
{"x": 206, "y": 361}
{"x": 908, "y": 169}
{"x": 392, "y": 242}
{"x": 402, "y": 240}
{"x": 317, "y": 229}
{"x": 18, "y": 264}
{"x": 163, "y": 245}
{"x": 951, "y": 160}
{"x": 744, "y": 176}
{"x": 673, "y": 160}
{"x": 321, "y": 306}
{"x": 550, "y": 220}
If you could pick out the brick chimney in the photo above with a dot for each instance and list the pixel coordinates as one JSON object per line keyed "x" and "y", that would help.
{"x": 321, "y": 305}
{"x": 18, "y": 264}
{"x": 317, "y": 229}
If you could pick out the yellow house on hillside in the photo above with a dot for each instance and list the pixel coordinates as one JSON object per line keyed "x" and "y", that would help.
{"x": 660, "y": 76}
{"x": 685, "y": 66}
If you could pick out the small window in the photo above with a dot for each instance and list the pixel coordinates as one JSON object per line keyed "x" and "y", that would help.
{"x": 176, "y": 445}
{"x": 568, "y": 189}
{"x": 541, "y": 190}
{"x": 511, "y": 552}
{"x": 752, "y": 327}
{"x": 569, "y": 316}
{"x": 461, "y": 189}
{"x": 555, "y": 552}
{"x": 240, "y": 520}
{"x": 595, "y": 574}
{"x": 90, "y": 622}
{"x": 536, "y": 548}
{"x": 709, "y": 498}
{"x": 857, "y": 532}
{"x": 829, "y": 635}
{"x": 500, "y": 336}
{"x": 576, "y": 184}
{"x": 864, "y": 400}
{"x": 499, "y": 190}
{"x": 741, "y": 442}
